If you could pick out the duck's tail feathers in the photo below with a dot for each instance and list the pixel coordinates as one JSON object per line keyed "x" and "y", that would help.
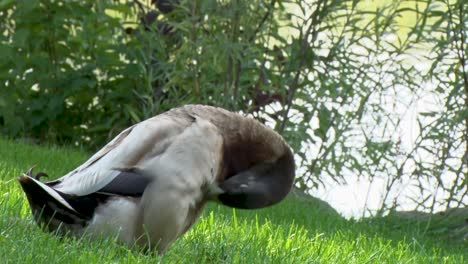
{"x": 50, "y": 208}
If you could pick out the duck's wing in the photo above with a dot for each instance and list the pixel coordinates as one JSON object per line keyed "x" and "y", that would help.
{"x": 114, "y": 169}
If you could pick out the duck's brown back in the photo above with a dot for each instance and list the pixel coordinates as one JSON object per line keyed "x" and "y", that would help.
{"x": 247, "y": 142}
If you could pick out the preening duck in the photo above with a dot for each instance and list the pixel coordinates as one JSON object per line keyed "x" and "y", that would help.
{"x": 150, "y": 183}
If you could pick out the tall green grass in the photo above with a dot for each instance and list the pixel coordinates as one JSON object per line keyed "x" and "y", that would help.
{"x": 296, "y": 231}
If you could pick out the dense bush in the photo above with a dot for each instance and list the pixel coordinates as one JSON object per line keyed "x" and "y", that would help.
{"x": 81, "y": 71}
{"x": 334, "y": 77}
{"x": 68, "y": 74}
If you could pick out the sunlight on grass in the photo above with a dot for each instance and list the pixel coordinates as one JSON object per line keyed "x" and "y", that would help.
{"x": 296, "y": 231}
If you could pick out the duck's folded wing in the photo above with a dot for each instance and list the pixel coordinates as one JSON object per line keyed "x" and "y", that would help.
{"x": 110, "y": 169}
{"x": 130, "y": 182}
{"x": 86, "y": 182}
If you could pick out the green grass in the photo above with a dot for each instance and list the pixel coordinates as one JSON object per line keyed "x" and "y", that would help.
{"x": 296, "y": 231}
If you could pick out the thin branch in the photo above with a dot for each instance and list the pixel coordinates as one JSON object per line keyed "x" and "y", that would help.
{"x": 459, "y": 42}
{"x": 264, "y": 19}
{"x": 311, "y": 31}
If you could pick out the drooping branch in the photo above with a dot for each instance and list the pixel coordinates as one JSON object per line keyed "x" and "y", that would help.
{"x": 312, "y": 33}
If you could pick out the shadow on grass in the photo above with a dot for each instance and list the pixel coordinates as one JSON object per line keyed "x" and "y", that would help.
{"x": 319, "y": 219}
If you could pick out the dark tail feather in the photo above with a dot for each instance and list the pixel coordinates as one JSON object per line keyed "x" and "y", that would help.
{"x": 49, "y": 207}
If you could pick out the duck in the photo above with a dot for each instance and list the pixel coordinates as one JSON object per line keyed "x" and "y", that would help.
{"x": 149, "y": 184}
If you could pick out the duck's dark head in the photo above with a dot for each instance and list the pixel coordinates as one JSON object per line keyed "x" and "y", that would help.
{"x": 260, "y": 186}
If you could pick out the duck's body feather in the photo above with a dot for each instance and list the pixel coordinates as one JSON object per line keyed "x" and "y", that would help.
{"x": 151, "y": 181}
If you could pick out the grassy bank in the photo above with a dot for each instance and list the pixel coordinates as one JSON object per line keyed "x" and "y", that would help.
{"x": 296, "y": 231}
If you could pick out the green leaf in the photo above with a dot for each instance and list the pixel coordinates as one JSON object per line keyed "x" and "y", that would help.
{"x": 5, "y": 4}
{"x": 325, "y": 120}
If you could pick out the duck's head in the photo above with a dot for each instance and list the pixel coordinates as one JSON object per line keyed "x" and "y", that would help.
{"x": 260, "y": 186}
